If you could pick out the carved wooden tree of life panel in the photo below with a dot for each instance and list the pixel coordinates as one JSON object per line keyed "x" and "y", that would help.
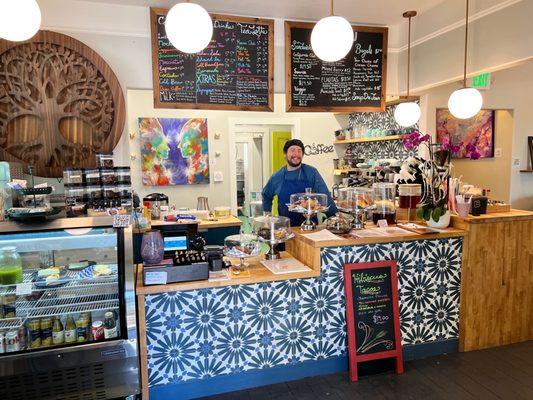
{"x": 60, "y": 103}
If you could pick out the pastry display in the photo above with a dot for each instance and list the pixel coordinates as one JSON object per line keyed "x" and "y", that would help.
{"x": 308, "y": 204}
{"x": 101, "y": 270}
{"x": 241, "y": 246}
{"x": 272, "y": 230}
{"x": 338, "y": 224}
{"x": 356, "y": 201}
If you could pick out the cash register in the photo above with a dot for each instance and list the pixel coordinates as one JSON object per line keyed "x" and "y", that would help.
{"x": 186, "y": 258}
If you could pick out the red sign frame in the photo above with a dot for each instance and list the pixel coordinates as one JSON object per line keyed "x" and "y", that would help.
{"x": 353, "y": 358}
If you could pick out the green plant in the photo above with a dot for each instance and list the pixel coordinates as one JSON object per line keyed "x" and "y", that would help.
{"x": 429, "y": 211}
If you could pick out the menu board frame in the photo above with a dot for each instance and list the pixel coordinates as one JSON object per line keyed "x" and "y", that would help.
{"x": 156, "y": 12}
{"x": 351, "y": 318}
{"x": 326, "y": 108}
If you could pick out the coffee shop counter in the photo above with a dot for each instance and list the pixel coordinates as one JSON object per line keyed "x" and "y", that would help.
{"x": 203, "y": 338}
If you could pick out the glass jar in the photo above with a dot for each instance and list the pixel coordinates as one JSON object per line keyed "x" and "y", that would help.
{"x": 123, "y": 175}
{"x": 124, "y": 191}
{"x": 109, "y": 192}
{"x": 107, "y": 176}
{"x": 104, "y": 160}
{"x": 384, "y": 202}
{"x": 92, "y": 176}
{"x": 73, "y": 176}
{"x": 10, "y": 266}
{"x": 94, "y": 192}
{"x": 338, "y": 224}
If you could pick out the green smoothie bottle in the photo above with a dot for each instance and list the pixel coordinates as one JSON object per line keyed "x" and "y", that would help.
{"x": 10, "y": 266}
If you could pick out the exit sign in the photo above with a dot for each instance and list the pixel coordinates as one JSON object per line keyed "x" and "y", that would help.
{"x": 481, "y": 81}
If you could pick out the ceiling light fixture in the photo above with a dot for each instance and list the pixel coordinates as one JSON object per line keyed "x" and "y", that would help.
{"x": 466, "y": 102}
{"x": 332, "y": 37}
{"x": 189, "y": 27}
{"x": 408, "y": 113}
{"x": 19, "y": 19}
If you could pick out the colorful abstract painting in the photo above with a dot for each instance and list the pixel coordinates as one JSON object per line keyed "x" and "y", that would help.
{"x": 477, "y": 131}
{"x": 174, "y": 151}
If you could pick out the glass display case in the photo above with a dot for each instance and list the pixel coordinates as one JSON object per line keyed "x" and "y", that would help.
{"x": 64, "y": 286}
{"x": 308, "y": 204}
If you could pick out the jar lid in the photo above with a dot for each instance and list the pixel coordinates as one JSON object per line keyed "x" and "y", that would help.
{"x": 8, "y": 248}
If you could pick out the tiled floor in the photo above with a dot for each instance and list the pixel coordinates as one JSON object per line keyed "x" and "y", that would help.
{"x": 499, "y": 373}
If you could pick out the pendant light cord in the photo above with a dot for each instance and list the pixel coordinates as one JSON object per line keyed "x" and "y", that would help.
{"x": 331, "y": 7}
{"x": 466, "y": 45}
{"x": 409, "y": 59}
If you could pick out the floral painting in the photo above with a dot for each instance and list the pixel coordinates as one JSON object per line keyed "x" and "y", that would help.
{"x": 174, "y": 151}
{"x": 471, "y": 136}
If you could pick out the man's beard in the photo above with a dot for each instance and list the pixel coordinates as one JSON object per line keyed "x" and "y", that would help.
{"x": 294, "y": 165}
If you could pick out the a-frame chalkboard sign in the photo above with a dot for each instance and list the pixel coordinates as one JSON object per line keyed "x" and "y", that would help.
{"x": 372, "y": 316}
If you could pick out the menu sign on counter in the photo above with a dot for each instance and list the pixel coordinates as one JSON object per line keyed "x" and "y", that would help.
{"x": 372, "y": 315}
{"x": 355, "y": 83}
{"x": 234, "y": 72}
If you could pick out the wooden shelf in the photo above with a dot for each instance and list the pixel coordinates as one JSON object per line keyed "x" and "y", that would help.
{"x": 530, "y": 171}
{"x": 373, "y": 139}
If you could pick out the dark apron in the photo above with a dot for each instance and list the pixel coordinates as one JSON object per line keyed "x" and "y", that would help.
{"x": 289, "y": 187}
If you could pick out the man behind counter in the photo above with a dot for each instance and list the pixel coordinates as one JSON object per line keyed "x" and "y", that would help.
{"x": 295, "y": 177}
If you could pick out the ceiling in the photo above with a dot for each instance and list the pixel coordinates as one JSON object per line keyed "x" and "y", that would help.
{"x": 375, "y": 12}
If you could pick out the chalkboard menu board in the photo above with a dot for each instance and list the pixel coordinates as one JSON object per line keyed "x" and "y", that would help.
{"x": 355, "y": 83}
{"x": 234, "y": 72}
{"x": 372, "y": 313}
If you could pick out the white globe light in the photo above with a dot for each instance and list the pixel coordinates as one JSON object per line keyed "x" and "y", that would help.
{"x": 465, "y": 103}
{"x": 189, "y": 27}
{"x": 407, "y": 114}
{"x": 332, "y": 38}
{"x": 19, "y": 19}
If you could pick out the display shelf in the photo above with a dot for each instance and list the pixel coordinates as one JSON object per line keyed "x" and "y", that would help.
{"x": 50, "y": 302}
{"x": 11, "y": 323}
{"x": 344, "y": 171}
{"x": 91, "y": 306}
{"x": 527, "y": 171}
{"x": 372, "y": 139}
{"x": 73, "y": 282}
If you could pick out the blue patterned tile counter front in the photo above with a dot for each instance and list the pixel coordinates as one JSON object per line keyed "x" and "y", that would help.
{"x": 208, "y": 341}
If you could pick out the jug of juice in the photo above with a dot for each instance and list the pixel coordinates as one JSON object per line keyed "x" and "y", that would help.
{"x": 10, "y": 266}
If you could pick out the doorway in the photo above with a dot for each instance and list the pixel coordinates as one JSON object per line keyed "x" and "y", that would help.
{"x": 256, "y": 152}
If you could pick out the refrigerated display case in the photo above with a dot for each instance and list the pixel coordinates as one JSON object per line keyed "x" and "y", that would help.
{"x": 67, "y": 324}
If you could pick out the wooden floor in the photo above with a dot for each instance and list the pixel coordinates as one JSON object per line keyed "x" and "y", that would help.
{"x": 499, "y": 373}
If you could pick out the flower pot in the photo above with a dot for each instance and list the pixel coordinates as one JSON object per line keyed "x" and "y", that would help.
{"x": 444, "y": 221}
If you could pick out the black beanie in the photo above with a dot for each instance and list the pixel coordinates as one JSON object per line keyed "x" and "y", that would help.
{"x": 293, "y": 142}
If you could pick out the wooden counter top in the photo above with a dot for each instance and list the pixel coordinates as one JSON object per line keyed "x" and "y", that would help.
{"x": 513, "y": 215}
{"x": 203, "y": 224}
{"x": 353, "y": 241}
{"x": 258, "y": 273}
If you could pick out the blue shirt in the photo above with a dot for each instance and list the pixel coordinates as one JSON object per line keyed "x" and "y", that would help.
{"x": 316, "y": 183}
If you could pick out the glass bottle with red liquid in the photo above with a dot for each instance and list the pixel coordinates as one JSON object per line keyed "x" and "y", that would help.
{"x": 384, "y": 202}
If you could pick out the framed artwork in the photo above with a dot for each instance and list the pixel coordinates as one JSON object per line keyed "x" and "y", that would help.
{"x": 477, "y": 131}
{"x": 174, "y": 151}
{"x": 530, "y": 145}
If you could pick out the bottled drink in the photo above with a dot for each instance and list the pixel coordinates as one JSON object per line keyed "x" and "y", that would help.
{"x": 12, "y": 341}
{"x": 10, "y": 266}
{"x": 58, "y": 333}
{"x": 110, "y": 326}
{"x": 70, "y": 330}
{"x": 82, "y": 328}
{"x": 34, "y": 326}
{"x": 46, "y": 331}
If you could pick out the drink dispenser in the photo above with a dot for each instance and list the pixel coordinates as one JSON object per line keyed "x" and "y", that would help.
{"x": 410, "y": 196}
{"x": 384, "y": 202}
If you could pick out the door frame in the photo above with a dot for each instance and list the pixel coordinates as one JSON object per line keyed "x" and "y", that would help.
{"x": 247, "y": 124}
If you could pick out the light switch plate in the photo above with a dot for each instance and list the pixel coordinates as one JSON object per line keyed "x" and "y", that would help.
{"x": 497, "y": 152}
{"x": 218, "y": 176}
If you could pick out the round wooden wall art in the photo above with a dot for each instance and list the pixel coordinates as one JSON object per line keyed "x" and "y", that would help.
{"x": 60, "y": 103}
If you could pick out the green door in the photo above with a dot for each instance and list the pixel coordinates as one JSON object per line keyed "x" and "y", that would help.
{"x": 278, "y": 140}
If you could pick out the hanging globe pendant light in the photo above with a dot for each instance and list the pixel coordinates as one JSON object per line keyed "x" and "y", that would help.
{"x": 407, "y": 114}
{"x": 19, "y": 19}
{"x": 332, "y": 37}
{"x": 189, "y": 27}
{"x": 466, "y": 102}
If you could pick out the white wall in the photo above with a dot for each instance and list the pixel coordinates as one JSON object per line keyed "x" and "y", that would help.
{"x": 314, "y": 128}
{"x": 511, "y": 89}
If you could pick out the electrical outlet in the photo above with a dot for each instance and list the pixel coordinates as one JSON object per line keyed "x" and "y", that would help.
{"x": 497, "y": 152}
{"x": 516, "y": 162}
